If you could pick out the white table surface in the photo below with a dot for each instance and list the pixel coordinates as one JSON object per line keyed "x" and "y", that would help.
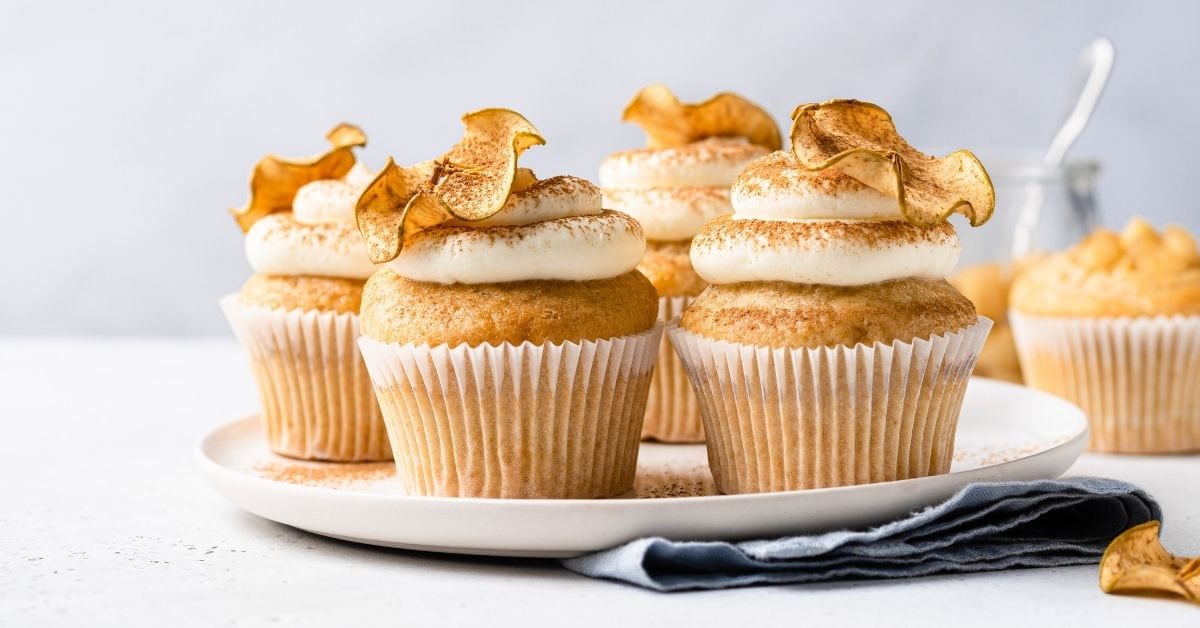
{"x": 104, "y": 520}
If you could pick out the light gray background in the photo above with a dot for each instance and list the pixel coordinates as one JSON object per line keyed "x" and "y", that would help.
{"x": 127, "y": 129}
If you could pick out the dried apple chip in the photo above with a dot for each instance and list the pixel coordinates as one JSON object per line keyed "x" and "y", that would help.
{"x": 478, "y": 172}
{"x": 471, "y": 181}
{"x": 524, "y": 180}
{"x": 1189, "y": 577}
{"x": 275, "y": 180}
{"x": 384, "y": 208}
{"x": 860, "y": 139}
{"x": 1136, "y": 562}
{"x": 668, "y": 122}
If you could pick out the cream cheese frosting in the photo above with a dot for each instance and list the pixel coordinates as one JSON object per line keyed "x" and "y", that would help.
{"x": 325, "y": 201}
{"x": 554, "y": 230}
{"x": 279, "y": 244}
{"x": 792, "y": 224}
{"x": 673, "y": 191}
{"x": 547, "y": 199}
{"x": 331, "y": 200}
{"x": 671, "y": 214}
{"x": 775, "y": 188}
{"x": 830, "y": 252}
{"x": 715, "y": 161}
{"x": 319, "y": 237}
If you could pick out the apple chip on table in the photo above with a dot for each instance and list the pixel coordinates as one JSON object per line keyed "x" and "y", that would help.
{"x": 1136, "y": 563}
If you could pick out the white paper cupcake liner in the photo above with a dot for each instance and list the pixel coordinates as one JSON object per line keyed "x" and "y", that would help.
{"x": 1137, "y": 378}
{"x": 780, "y": 419}
{"x": 672, "y": 412}
{"x": 515, "y": 421}
{"x": 317, "y": 399}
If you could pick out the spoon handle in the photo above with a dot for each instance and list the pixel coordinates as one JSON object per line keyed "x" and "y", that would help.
{"x": 1098, "y": 60}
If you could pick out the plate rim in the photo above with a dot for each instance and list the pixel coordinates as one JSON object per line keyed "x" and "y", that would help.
{"x": 209, "y": 464}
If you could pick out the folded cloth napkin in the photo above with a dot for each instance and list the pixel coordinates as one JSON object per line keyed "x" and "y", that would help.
{"x": 984, "y": 527}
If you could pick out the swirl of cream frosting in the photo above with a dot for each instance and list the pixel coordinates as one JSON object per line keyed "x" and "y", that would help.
{"x": 673, "y": 191}
{"x": 775, "y": 187}
{"x": 331, "y": 200}
{"x": 319, "y": 236}
{"x": 792, "y": 224}
{"x": 279, "y": 244}
{"x": 553, "y": 230}
{"x": 670, "y": 214}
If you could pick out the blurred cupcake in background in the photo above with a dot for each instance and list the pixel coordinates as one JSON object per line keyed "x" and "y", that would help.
{"x": 297, "y": 315}
{"x": 987, "y": 286}
{"x": 1113, "y": 324}
{"x": 674, "y": 185}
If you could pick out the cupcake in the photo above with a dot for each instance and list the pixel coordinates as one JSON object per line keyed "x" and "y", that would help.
{"x": 829, "y": 349}
{"x": 297, "y": 315}
{"x": 1113, "y": 324}
{"x": 509, "y": 336}
{"x": 987, "y": 286}
{"x": 672, "y": 187}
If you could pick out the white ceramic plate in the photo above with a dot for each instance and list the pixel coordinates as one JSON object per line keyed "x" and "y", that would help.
{"x": 1006, "y": 432}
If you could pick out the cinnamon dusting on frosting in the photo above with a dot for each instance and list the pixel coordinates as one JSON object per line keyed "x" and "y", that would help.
{"x": 284, "y": 227}
{"x": 278, "y": 244}
{"x": 459, "y": 238}
{"x": 544, "y": 199}
{"x": 673, "y": 191}
{"x": 733, "y": 151}
{"x": 807, "y": 234}
{"x": 713, "y": 162}
{"x": 780, "y": 171}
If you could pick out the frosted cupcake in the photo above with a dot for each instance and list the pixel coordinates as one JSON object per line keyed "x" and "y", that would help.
{"x": 672, "y": 187}
{"x": 1113, "y": 324}
{"x": 297, "y": 314}
{"x": 829, "y": 349}
{"x": 509, "y": 336}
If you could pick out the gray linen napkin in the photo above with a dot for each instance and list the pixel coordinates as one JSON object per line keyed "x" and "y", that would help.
{"x": 984, "y": 527}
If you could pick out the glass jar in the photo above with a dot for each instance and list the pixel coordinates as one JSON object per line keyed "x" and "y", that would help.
{"x": 1039, "y": 210}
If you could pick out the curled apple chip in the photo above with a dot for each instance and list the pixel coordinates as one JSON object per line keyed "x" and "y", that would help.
{"x": 1136, "y": 563}
{"x": 668, "y": 122}
{"x": 1189, "y": 577}
{"x": 524, "y": 180}
{"x": 275, "y": 180}
{"x": 860, "y": 139}
{"x": 471, "y": 181}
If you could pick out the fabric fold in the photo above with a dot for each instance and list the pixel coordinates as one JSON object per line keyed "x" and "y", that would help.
{"x": 984, "y": 527}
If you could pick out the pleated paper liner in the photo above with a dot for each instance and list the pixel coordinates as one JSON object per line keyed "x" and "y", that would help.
{"x": 672, "y": 412}
{"x": 317, "y": 399}
{"x": 1137, "y": 378}
{"x": 515, "y": 421}
{"x": 780, "y": 419}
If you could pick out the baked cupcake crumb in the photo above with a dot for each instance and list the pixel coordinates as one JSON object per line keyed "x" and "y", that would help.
{"x": 785, "y": 314}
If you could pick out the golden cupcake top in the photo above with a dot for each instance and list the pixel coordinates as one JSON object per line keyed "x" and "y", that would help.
{"x": 1137, "y": 272}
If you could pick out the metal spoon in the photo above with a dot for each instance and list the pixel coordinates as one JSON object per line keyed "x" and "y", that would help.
{"x": 1095, "y": 65}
